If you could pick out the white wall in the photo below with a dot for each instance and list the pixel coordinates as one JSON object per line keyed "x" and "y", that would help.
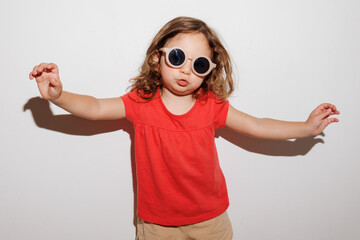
{"x": 66, "y": 178}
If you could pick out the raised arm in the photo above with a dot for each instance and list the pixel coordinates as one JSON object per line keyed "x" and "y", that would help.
{"x": 50, "y": 87}
{"x": 280, "y": 130}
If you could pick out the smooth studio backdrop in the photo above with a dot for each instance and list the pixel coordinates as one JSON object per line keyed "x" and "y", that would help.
{"x": 62, "y": 177}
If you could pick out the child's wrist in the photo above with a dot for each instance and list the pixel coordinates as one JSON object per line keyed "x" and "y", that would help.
{"x": 308, "y": 130}
{"x": 57, "y": 100}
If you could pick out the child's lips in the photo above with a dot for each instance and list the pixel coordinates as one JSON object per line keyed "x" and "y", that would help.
{"x": 182, "y": 82}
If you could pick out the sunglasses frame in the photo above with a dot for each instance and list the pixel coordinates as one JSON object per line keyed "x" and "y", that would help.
{"x": 193, "y": 59}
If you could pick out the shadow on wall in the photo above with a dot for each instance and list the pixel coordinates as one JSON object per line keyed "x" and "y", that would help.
{"x": 70, "y": 124}
{"x": 270, "y": 147}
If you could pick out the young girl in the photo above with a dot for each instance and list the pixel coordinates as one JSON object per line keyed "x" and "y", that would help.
{"x": 176, "y": 103}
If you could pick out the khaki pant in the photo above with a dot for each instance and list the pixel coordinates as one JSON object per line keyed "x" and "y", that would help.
{"x": 218, "y": 228}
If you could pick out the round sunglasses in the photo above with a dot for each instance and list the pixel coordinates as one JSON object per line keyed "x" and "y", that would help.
{"x": 176, "y": 58}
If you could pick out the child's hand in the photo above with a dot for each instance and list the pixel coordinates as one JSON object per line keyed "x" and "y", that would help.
{"x": 48, "y": 81}
{"x": 319, "y": 118}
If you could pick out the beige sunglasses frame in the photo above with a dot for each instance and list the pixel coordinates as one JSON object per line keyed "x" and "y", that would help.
{"x": 168, "y": 50}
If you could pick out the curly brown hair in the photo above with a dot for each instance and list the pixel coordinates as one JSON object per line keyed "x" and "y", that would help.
{"x": 219, "y": 82}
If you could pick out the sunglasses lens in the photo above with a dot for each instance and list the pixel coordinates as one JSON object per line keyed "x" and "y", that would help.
{"x": 176, "y": 57}
{"x": 201, "y": 65}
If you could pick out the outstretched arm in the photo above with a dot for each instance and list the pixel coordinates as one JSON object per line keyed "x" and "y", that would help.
{"x": 280, "y": 130}
{"x": 50, "y": 87}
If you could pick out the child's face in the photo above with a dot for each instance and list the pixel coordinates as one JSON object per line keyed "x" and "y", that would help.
{"x": 183, "y": 81}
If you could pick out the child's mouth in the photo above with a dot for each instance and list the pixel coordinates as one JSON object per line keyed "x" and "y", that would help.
{"x": 182, "y": 82}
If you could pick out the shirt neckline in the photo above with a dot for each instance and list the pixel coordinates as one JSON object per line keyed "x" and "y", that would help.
{"x": 172, "y": 114}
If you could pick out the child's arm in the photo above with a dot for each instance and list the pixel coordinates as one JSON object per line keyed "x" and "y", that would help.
{"x": 281, "y": 130}
{"x": 50, "y": 87}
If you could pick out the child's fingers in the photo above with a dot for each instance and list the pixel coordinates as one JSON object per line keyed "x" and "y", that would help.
{"x": 53, "y": 67}
{"x": 31, "y": 76}
{"x": 332, "y": 107}
{"x": 325, "y": 106}
{"x": 38, "y": 69}
{"x": 42, "y": 67}
{"x": 35, "y": 68}
{"x": 325, "y": 113}
{"x": 35, "y": 71}
{"x": 335, "y": 112}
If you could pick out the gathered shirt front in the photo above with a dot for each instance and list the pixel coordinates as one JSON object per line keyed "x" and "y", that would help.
{"x": 179, "y": 179}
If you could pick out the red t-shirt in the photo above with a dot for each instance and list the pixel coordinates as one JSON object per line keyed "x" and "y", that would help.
{"x": 179, "y": 178}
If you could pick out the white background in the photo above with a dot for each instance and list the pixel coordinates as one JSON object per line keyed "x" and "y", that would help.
{"x": 63, "y": 177}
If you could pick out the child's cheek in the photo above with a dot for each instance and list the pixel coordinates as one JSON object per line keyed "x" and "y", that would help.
{"x": 167, "y": 73}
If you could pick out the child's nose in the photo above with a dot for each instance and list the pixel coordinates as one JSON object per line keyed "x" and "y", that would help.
{"x": 186, "y": 68}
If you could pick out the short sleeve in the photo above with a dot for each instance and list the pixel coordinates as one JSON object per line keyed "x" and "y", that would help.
{"x": 220, "y": 113}
{"x": 131, "y": 103}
